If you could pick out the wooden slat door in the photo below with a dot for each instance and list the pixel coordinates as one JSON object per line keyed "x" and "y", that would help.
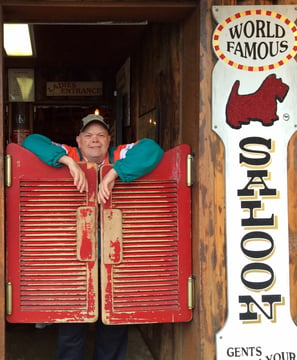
{"x": 146, "y": 264}
{"x": 51, "y": 233}
{"x": 51, "y": 242}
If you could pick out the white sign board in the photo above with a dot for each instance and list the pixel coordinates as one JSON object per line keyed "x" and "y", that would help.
{"x": 255, "y": 114}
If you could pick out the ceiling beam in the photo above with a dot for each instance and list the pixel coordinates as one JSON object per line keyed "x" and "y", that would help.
{"x": 94, "y": 12}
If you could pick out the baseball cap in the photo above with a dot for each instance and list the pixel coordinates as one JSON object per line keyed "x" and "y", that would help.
{"x": 92, "y": 118}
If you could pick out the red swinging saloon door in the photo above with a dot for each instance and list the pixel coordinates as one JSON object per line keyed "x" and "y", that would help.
{"x": 51, "y": 242}
{"x": 146, "y": 269}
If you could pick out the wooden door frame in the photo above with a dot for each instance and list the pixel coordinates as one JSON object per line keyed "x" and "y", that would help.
{"x": 75, "y": 12}
{"x": 92, "y": 12}
{"x": 2, "y": 214}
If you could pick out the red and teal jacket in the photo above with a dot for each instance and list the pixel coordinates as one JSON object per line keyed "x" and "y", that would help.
{"x": 130, "y": 161}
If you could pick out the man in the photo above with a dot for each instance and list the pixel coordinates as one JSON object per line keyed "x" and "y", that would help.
{"x": 130, "y": 162}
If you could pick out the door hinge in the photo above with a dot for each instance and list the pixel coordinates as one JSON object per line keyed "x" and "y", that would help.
{"x": 8, "y": 298}
{"x": 8, "y": 170}
{"x": 191, "y": 292}
{"x": 190, "y": 165}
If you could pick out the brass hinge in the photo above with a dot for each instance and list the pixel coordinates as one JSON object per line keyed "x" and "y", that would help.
{"x": 8, "y": 298}
{"x": 190, "y": 163}
{"x": 191, "y": 292}
{"x": 8, "y": 170}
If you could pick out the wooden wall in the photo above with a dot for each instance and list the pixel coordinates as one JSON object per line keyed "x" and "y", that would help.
{"x": 191, "y": 123}
{"x": 156, "y": 85}
{"x": 156, "y": 80}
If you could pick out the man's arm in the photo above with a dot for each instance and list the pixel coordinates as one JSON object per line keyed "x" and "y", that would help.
{"x": 56, "y": 155}
{"x": 131, "y": 161}
{"x": 106, "y": 185}
{"x": 45, "y": 149}
{"x": 139, "y": 160}
{"x": 79, "y": 177}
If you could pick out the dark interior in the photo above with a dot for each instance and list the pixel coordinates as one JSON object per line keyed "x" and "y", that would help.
{"x": 83, "y": 43}
{"x": 75, "y": 53}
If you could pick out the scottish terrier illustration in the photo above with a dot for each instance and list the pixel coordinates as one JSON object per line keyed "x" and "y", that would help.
{"x": 258, "y": 106}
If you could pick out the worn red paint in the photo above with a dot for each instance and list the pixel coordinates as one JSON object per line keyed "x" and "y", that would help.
{"x": 86, "y": 246}
{"x": 49, "y": 280}
{"x": 115, "y": 255}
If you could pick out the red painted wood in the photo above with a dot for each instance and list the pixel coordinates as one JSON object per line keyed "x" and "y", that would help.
{"x": 150, "y": 283}
{"x": 51, "y": 260}
{"x": 51, "y": 263}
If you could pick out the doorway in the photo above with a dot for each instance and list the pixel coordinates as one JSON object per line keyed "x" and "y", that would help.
{"x": 48, "y": 13}
{"x": 30, "y": 342}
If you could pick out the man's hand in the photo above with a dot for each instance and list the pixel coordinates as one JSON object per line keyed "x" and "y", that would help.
{"x": 79, "y": 177}
{"x": 106, "y": 185}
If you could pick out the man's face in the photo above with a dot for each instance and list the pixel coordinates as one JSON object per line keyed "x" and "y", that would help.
{"x": 94, "y": 142}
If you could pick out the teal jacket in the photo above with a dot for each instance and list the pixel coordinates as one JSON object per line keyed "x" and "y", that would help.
{"x": 130, "y": 161}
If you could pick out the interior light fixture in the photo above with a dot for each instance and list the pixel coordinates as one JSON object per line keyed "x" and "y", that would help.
{"x": 18, "y": 40}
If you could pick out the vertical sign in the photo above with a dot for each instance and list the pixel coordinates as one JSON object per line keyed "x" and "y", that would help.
{"x": 255, "y": 114}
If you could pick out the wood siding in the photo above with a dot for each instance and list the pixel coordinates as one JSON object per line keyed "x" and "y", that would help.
{"x": 156, "y": 74}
